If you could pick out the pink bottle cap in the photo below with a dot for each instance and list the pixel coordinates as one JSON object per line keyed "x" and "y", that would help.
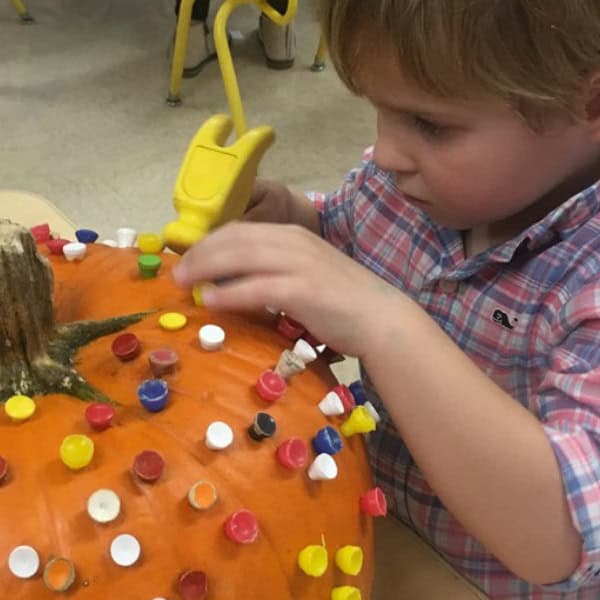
{"x": 99, "y": 415}
{"x": 374, "y": 503}
{"x": 162, "y": 361}
{"x": 270, "y": 386}
{"x": 345, "y": 395}
{"x": 292, "y": 454}
{"x": 56, "y": 246}
{"x": 3, "y": 468}
{"x": 289, "y": 328}
{"x": 148, "y": 465}
{"x": 41, "y": 233}
{"x": 193, "y": 585}
{"x": 126, "y": 346}
{"x": 242, "y": 527}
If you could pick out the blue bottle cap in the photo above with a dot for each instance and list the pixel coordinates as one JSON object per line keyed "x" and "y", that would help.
{"x": 86, "y": 236}
{"x": 358, "y": 391}
{"x": 327, "y": 441}
{"x": 153, "y": 394}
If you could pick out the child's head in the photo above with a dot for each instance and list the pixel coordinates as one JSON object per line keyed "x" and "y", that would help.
{"x": 485, "y": 107}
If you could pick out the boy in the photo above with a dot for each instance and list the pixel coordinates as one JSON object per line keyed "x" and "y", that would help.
{"x": 468, "y": 282}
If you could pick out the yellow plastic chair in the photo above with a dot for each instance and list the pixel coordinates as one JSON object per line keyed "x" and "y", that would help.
{"x": 22, "y": 11}
{"x": 319, "y": 61}
{"x": 215, "y": 181}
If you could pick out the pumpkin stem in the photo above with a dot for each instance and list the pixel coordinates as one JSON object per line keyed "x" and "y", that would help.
{"x": 36, "y": 355}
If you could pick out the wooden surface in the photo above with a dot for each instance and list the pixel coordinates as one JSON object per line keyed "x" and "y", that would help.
{"x": 405, "y": 568}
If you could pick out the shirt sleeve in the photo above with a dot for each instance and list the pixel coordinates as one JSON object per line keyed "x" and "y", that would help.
{"x": 569, "y": 405}
{"x": 336, "y": 210}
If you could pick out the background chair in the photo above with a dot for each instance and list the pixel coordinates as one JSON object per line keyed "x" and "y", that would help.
{"x": 20, "y": 8}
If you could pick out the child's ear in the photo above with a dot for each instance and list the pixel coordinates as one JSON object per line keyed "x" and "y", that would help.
{"x": 592, "y": 105}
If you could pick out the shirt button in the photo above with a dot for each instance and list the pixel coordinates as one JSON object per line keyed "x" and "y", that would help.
{"x": 448, "y": 286}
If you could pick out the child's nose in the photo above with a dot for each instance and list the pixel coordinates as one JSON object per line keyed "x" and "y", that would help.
{"x": 392, "y": 154}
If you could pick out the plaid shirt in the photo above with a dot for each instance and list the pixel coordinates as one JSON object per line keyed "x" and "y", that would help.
{"x": 527, "y": 312}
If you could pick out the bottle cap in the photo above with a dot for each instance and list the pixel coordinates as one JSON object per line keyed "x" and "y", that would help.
{"x": 289, "y": 328}
{"x": 3, "y": 468}
{"x": 74, "y": 251}
{"x": 289, "y": 364}
{"x": 345, "y": 396}
{"x": 263, "y": 427}
{"x": 349, "y": 560}
{"x": 202, "y": 495}
{"x": 345, "y": 592}
{"x": 99, "y": 415}
{"x": 327, "y": 441}
{"x": 211, "y": 337}
{"x": 172, "y": 321}
{"x": 19, "y": 407}
{"x": 149, "y": 265}
{"x": 305, "y": 351}
{"x": 23, "y": 562}
{"x": 126, "y": 346}
{"x": 86, "y": 236}
{"x": 59, "y": 574}
{"x": 56, "y": 246}
{"x": 270, "y": 386}
{"x": 149, "y": 465}
{"x": 126, "y": 237}
{"x": 313, "y": 560}
{"x": 150, "y": 243}
{"x": 373, "y": 503}
{"x": 104, "y": 506}
{"x": 242, "y": 527}
{"x": 358, "y": 391}
{"x": 359, "y": 421}
{"x": 125, "y": 550}
{"x": 40, "y": 233}
{"x": 323, "y": 468}
{"x": 162, "y": 361}
{"x": 218, "y": 436}
{"x": 372, "y": 411}
{"x": 76, "y": 451}
{"x": 292, "y": 453}
{"x": 193, "y": 585}
{"x": 153, "y": 394}
{"x": 331, "y": 405}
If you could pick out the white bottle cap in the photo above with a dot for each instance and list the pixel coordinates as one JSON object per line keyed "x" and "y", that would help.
{"x": 23, "y": 562}
{"x": 331, "y": 405}
{"x": 372, "y": 411}
{"x": 125, "y": 550}
{"x": 323, "y": 467}
{"x": 211, "y": 337}
{"x": 126, "y": 237}
{"x": 305, "y": 351}
{"x": 218, "y": 436}
{"x": 104, "y": 506}
{"x": 109, "y": 243}
{"x": 74, "y": 251}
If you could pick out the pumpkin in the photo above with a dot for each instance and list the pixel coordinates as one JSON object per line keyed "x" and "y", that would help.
{"x": 43, "y": 503}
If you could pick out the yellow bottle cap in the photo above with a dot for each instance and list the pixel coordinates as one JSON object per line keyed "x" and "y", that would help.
{"x": 150, "y": 243}
{"x": 349, "y": 560}
{"x": 172, "y": 321}
{"x": 313, "y": 560}
{"x": 345, "y": 592}
{"x": 77, "y": 451}
{"x": 19, "y": 408}
{"x": 359, "y": 421}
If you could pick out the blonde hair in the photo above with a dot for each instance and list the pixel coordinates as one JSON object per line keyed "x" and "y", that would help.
{"x": 536, "y": 55}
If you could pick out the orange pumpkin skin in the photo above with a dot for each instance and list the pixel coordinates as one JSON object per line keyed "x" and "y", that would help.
{"x": 43, "y": 503}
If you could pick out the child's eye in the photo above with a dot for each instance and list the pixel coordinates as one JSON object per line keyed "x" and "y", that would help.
{"x": 427, "y": 127}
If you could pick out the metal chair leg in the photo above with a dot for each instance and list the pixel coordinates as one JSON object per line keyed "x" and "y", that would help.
{"x": 23, "y": 13}
{"x": 319, "y": 62}
{"x": 184, "y": 21}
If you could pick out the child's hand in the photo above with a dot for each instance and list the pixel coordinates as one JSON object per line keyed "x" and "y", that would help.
{"x": 340, "y": 302}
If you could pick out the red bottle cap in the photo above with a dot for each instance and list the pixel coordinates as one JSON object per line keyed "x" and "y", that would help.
{"x": 345, "y": 395}
{"x": 289, "y": 328}
{"x": 292, "y": 454}
{"x": 3, "y": 468}
{"x": 193, "y": 585}
{"x": 242, "y": 527}
{"x": 56, "y": 246}
{"x": 126, "y": 346}
{"x": 148, "y": 465}
{"x": 41, "y": 233}
{"x": 374, "y": 503}
{"x": 270, "y": 386}
{"x": 162, "y": 361}
{"x": 99, "y": 415}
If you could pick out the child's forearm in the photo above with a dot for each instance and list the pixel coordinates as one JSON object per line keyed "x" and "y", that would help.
{"x": 485, "y": 455}
{"x": 303, "y": 212}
